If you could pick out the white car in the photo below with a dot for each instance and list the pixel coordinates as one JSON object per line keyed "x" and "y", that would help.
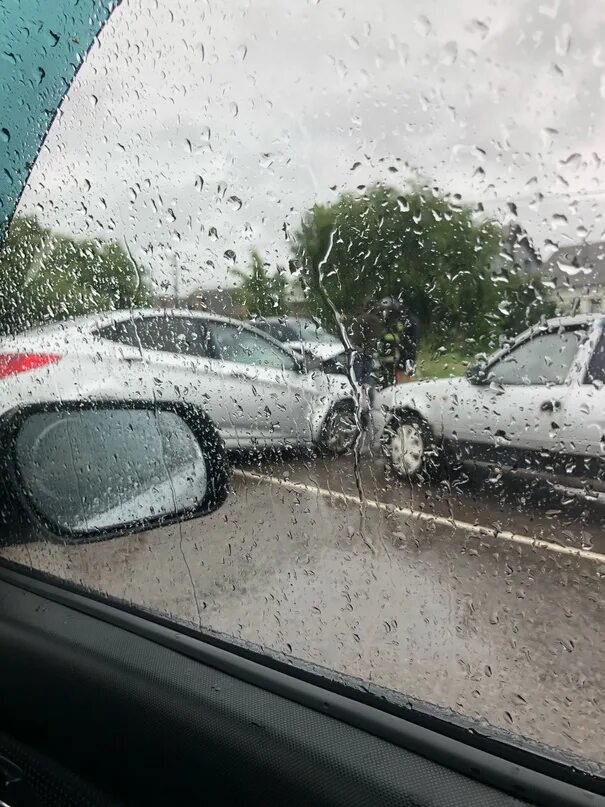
{"x": 255, "y": 391}
{"x": 303, "y": 336}
{"x": 537, "y": 406}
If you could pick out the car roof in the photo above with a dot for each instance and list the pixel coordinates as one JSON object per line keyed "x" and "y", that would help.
{"x": 578, "y": 319}
{"x": 90, "y": 322}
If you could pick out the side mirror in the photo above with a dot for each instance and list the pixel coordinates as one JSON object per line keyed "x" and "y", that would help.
{"x": 477, "y": 373}
{"x": 87, "y": 471}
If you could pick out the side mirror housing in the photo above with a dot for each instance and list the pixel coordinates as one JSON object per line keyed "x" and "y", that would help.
{"x": 477, "y": 373}
{"x": 92, "y": 470}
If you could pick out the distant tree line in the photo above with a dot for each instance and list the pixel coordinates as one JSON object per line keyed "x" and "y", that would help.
{"x": 429, "y": 250}
{"x": 47, "y": 276}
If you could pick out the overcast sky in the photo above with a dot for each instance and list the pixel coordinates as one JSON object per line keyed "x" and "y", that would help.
{"x": 195, "y": 128}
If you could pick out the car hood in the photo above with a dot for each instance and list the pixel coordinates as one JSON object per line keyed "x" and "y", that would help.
{"x": 319, "y": 350}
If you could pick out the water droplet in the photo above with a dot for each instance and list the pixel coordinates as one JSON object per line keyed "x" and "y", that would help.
{"x": 450, "y": 53}
{"x": 559, "y": 220}
{"x": 480, "y": 27}
{"x": 235, "y": 202}
{"x": 5, "y": 134}
{"x": 423, "y": 25}
{"x": 233, "y": 109}
{"x": 549, "y": 11}
{"x": 199, "y": 183}
{"x": 213, "y": 233}
{"x": 573, "y": 161}
{"x": 94, "y": 100}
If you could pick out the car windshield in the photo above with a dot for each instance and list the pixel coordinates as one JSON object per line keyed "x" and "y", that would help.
{"x": 418, "y": 183}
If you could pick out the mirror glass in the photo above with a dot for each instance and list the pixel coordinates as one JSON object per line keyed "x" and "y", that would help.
{"x": 99, "y": 469}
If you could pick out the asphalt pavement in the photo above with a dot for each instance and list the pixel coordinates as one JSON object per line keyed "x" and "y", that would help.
{"x": 480, "y": 594}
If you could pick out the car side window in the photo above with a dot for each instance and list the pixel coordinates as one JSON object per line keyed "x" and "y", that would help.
{"x": 124, "y": 332}
{"x": 184, "y": 335}
{"x": 244, "y": 346}
{"x": 596, "y": 366}
{"x": 544, "y": 359}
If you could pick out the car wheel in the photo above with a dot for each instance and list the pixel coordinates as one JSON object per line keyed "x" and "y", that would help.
{"x": 340, "y": 430}
{"x": 411, "y": 448}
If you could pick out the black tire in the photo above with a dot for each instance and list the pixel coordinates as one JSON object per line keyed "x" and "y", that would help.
{"x": 411, "y": 448}
{"x": 340, "y": 430}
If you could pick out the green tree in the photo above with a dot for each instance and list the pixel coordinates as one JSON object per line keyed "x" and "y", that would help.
{"x": 261, "y": 294}
{"x": 44, "y": 275}
{"x": 422, "y": 247}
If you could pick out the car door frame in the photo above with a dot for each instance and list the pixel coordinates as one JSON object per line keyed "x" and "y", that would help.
{"x": 290, "y": 382}
{"x": 284, "y": 728}
{"x": 508, "y": 448}
{"x": 584, "y": 456}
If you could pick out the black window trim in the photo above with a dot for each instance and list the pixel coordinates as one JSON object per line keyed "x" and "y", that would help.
{"x": 599, "y": 337}
{"x": 494, "y": 757}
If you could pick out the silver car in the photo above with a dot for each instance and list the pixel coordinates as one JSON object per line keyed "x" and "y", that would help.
{"x": 537, "y": 406}
{"x": 254, "y": 389}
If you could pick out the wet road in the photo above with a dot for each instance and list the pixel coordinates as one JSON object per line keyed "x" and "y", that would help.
{"x": 473, "y": 594}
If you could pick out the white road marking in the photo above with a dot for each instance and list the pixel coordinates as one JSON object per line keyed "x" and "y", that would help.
{"x": 473, "y": 529}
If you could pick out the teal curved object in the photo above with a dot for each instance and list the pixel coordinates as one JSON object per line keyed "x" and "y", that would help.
{"x": 42, "y": 45}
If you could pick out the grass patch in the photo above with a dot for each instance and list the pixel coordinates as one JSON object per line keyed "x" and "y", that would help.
{"x": 433, "y": 363}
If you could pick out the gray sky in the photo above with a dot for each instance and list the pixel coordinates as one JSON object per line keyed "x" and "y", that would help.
{"x": 199, "y": 127}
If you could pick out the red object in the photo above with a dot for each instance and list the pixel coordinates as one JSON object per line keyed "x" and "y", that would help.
{"x": 13, "y": 363}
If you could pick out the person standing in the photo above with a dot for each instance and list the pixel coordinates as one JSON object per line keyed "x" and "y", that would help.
{"x": 398, "y": 343}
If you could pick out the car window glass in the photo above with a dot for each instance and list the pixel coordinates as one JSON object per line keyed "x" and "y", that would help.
{"x": 125, "y": 332}
{"x": 418, "y": 184}
{"x": 177, "y": 334}
{"x": 543, "y": 359}
{"x": 243, "y": 346}
{"x": 310, "y": 332}
{"x": 278, "y": 330}
{"x": 596, "y": 365}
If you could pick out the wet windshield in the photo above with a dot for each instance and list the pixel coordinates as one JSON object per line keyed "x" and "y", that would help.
{"x": 420, "y": 509}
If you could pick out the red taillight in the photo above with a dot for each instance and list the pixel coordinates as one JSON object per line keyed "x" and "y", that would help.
{"x": 13, "y": 363}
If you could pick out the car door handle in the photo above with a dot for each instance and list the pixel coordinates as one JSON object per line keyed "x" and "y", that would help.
{"x": 550, "y": 406}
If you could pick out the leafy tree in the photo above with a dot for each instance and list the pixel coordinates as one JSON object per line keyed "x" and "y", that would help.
{"x": 44, "y": 275}
{"x": 422, "y": 247}
{"x": 260, "y": 293}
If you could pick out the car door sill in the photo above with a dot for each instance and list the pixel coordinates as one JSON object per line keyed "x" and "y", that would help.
{"x": 569, "y": 786}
